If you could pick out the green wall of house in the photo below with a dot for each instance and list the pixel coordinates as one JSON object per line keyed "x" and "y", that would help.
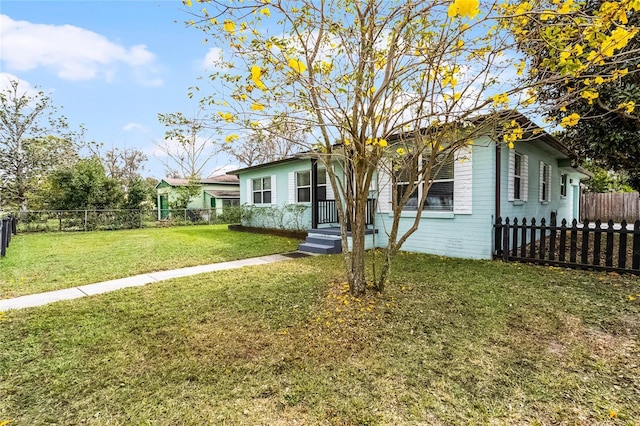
{"x": 465, "y": 232}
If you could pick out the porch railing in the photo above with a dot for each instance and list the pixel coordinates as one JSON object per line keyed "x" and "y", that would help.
{"x": 328, "y": 211}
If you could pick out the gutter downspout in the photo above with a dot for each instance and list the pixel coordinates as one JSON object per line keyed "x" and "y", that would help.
{"x": 314, "y": 193}
{"x": 497, "y": 240}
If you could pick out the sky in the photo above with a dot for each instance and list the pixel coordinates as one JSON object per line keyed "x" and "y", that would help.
{"x": 111, "y": 66}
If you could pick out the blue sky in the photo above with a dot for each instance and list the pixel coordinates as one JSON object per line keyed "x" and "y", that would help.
{"x": 111, "y": 65}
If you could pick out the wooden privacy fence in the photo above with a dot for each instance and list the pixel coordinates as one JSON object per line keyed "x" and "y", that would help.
{"x": 7, "y": 228}
{"x": 617, "y": 206}
{"x": 587, "y": 245}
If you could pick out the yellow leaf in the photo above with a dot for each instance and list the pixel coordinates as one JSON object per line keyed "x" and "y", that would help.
{"x": 265, "y": 11}
{"x": 468, "y": 8}
{"x": 570, "y": 120}
{"x": 256, "y": 75}
{"x": 229, "y": 26}
{"x": 297, "y": 65}
{"x": 231, "y": 138}
{"x": 257, "y": 107}
{"x": 227, "y": 116}
{"x": 628, "y": 106}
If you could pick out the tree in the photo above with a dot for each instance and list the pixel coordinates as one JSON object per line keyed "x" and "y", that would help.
{"x": 124, "y": 165}
{"x": 280, "y": 139}
{"x": 34, "y": 140}
{"x": 384, "y": 87}
{"x": 606, "y": 180}
{"x": 140, "y": 193}
{"x": 611, "y": 136}
{"x": 187, "y": 145}
{"x": 85, "y": 185}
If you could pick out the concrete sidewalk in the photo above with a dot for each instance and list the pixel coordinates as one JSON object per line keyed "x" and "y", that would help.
{"x": 137, "y": 280}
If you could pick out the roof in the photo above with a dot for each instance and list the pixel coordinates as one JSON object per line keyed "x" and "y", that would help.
{"x": 271, "y": 163}
{"x": 525, "y": 123}
{"x": 223, "y": 194}
{"x": 220, "y": 179}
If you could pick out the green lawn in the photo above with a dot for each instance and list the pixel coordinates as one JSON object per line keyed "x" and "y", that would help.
{"x": 452, "y": 342}
{"x": 52, "y": 261}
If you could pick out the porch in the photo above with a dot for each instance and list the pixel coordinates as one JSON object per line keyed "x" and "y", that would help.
{"x": 325, "y": 235}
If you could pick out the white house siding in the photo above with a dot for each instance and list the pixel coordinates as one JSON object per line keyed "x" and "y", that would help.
{"x": 467, "y": 234}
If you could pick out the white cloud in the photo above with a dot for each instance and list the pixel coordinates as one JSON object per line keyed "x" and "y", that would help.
{"x": 213, "y": 56}
{"x": 134, "y": 126}
{"x": 73, "y": 53}
{"x": 23, "y": 85}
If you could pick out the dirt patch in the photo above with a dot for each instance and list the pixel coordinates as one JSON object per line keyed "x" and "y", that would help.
{"x": 594, "y": 257}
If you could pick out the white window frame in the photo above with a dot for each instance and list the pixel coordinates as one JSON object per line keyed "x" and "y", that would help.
{"x": 420, "y": 189}
{"x": 262, "y": 191}
{"x": 517, "y": 176}
{"x": 298, "y": 186}
{"x": 545, "y": 182}
{"x": 564, "y": 181}
{"x": 524, "y": 178}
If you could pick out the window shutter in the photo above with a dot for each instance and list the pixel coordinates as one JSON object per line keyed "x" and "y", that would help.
{"x": 524, "y": 178}
{"x": 540, "y": 190}
{"x": 292, "y": 187}
{"x": 512, "y": 169}
{"x": 273, "y": 190}
{"x": 249, "y": 191}
{"x": 463, "y": 182}
{"x": 384, "y": 188}
{"x": 330, "y": 194}
{"x": 549, "y": 185}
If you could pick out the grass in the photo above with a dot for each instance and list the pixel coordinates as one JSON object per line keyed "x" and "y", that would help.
{"x": 52, "y": 261}
{"x": 451, "y": 342}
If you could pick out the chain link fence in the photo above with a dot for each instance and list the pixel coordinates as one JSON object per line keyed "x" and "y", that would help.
{"x": 102, "y": 220}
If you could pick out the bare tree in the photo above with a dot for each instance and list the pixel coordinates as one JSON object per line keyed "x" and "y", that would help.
{"x": 122, "y": 164}
{"x": 188, "y": 145}
{"x": 279, "y": 138}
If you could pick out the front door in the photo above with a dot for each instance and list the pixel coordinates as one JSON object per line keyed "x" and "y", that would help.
{"x": 164, "y": 207}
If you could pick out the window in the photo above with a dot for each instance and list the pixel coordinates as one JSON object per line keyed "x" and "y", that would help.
{"x": 517, "y": 177}
{"x": 322, "y": 184}
{"x": 563, "y": 185}
{"x": 262, "y": 190}
{"x": 303, "y": 187}
{"x": 545, "y": 178}
{"x": 231, "y": 202}
{"x": 440, "y": 195}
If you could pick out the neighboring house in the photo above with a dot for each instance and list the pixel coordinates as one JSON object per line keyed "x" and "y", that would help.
{"x": 215, "y": 193}
{"x": 535, "y": 179}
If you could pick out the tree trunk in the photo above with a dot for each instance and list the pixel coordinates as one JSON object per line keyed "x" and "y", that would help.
{"x": 386, "y": 267}
{"x": 358, "y": 281}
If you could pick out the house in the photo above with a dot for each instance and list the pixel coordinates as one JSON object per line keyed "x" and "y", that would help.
{"x": 537, "y": 178}
{"x": 216, "y": 193}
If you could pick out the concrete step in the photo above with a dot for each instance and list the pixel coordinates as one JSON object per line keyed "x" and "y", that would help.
{"x": 319, "y": 248}
{"x": 324, "y": 240}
